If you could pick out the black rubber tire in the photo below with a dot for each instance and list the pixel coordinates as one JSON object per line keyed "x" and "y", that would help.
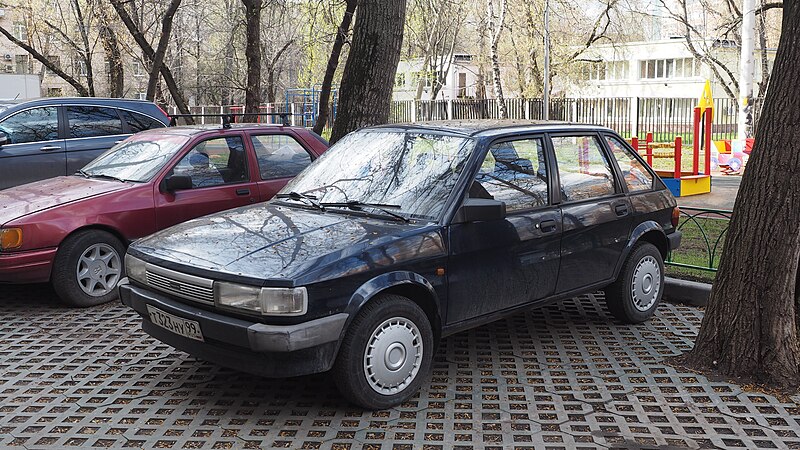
{"x": 63, "y": 275}
{"x": 618, "y": 295}
{"x": 348, "y": 370}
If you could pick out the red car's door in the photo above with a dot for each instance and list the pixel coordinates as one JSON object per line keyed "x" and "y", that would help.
{"x": 220, "y": 179}
{"x": 279, "y": 158}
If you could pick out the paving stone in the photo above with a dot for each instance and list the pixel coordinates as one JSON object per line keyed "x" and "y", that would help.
{"x": 565, "y": 376}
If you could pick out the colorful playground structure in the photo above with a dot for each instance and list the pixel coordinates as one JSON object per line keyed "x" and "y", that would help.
{"x": 682, "y": 182}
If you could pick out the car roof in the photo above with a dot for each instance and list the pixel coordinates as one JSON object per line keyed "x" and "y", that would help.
{"x": 74, "y": 100}
{"x": 493, "y": 127}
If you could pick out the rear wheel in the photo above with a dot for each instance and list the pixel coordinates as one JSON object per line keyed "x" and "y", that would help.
{"x": 634, "y": 297}
{"x": 87, "y": 268}
{"x": 386, "y": 353}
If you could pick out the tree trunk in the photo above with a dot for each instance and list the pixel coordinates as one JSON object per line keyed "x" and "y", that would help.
{"x": 149, "y": 54}
{"x": 333, "y": 63}
{"x": 114, "y": 57}
{"x": 368, "y": 78}
{"x": 161, "y": 50}
{"x": 252, "y": 52}
{"x": 498, "y": 85}
{"x": 750, "y": 328}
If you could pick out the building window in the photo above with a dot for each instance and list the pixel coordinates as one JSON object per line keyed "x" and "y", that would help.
{"x": 400, "y": 80}
{"x": 80, "y": 68}
{"x": 668, "y": 68}
{"x": 20, "y": 31}
{"x": 22, "y": 64}
{"x": 138, "y": 69}
{"x": 55, "y": 92}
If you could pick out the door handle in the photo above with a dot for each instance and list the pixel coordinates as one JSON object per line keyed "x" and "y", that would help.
{"x": 621, "y": 210}
{"x": 49, "y": 148}
{"x": 244, "y": 191}
{"x": 547, "y": 226}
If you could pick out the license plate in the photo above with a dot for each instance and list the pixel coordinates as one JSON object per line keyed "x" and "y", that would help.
{"x": 184, "y": 327}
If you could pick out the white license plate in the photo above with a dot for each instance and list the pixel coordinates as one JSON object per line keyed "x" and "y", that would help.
{"x": 184, "y": 327}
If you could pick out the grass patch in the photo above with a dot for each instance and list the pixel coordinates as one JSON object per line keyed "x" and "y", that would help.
{"x": 701, "y": 245}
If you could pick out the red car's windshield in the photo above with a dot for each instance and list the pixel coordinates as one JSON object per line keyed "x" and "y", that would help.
{"x": 139, "y": 158}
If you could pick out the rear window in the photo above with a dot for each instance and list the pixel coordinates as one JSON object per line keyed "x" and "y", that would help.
{"x": 139, "y": 122}
{"x": 92, "y": 121}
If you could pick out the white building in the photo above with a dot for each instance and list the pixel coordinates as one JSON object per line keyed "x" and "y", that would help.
{"x": 460, "y": 79}
{"x": 663, "y": 68}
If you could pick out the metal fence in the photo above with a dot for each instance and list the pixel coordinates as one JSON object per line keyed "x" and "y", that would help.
{"x": 704, "y": 232}
{"x": 629, "y": 116}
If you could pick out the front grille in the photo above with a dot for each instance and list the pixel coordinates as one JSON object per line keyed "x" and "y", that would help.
{"x": 180, "y": 285}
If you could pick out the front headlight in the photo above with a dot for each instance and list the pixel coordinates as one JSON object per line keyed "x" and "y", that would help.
{"x": 265, "y": 301}
{"x": 135, "y": 268}
{"x": 10, "y": 238}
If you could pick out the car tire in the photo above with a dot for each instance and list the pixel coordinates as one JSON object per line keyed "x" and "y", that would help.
{"x": 87, "y": 268}
{"x": 386, "y": 353}
{"x": 634, "y": 297}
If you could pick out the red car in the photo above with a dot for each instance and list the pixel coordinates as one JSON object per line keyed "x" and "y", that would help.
{"x": 73, "y": 231}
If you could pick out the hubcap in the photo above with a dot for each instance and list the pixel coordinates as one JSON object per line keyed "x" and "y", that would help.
{"x": 646, "y": 283}
{"x": 99, "y": 269}
{"x": 393, "y": 356}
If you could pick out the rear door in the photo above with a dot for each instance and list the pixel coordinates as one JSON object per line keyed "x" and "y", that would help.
{"x": 596, "y": 213}
{"x": 218, "y": 168}
{"x": 34, "y": 150}
{"x": 91, "y": 130}
{"x": 279, "y": 158}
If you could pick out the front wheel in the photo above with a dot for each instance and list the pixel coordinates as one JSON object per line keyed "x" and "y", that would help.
{"x": 386, "y": 353}
{"x": 634, "y": 297}
{"x": 87, "y": 268}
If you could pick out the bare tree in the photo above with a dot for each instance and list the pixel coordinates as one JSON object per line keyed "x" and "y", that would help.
{"x": 368, "y": 78}
{"x": 333, "y": 62}
{"x": 252, "y": 18}
{"x": 495, "y": 31}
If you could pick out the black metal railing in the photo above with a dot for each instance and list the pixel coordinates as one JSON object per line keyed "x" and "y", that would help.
{"x": 704, "y": 233}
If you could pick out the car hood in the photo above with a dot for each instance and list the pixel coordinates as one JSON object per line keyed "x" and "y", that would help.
{"x": 272, "y": 242}
{"x": 20, "y": 201}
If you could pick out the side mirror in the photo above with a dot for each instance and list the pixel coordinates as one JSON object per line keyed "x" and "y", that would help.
{"x": 176, "y": 183}
{"x": 3, "y": 139}
{"x": 480, "y": 210}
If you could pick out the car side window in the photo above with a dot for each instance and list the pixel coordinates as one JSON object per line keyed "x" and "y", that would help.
{"x": 584, "y": 171}
{"x": 92, "y": 121}
{"x": 139, "y": 122}
{"x": 214, "y": 162}
{"x": 635, "y": 174}
{"x": 32, "y": 125}
{"x": 279, "y": 156}
{"x": 513, "y": 172}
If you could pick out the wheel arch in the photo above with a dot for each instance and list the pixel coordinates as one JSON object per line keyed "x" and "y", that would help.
{"x": 411, "y": 285}
{"x": 649, "y": 231}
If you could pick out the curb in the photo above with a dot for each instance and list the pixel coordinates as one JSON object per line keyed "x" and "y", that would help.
{"x": 687, "y": 292}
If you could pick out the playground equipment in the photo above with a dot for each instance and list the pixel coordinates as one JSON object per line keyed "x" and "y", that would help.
{"x": 304, "y": 104}
{"x": 729, "y": 156}
{"x": 679, "y": 181}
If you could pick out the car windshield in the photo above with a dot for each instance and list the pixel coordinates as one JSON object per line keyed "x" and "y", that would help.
{"x": 139, "y": 158}
{"x": 410, "y": 172}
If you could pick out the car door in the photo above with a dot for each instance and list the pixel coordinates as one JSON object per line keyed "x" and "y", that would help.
{"x": 595, "y": 212}
{"x": 220, "y": 179}
{"x": 33, "y": 150}
{"x": 91, "y": 130}
{"x": 279, "y": 158}
{"x": 495, "y": 265}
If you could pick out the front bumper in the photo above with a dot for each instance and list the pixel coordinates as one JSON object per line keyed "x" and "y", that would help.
{"x": 674, "y": 239}
{"x": 27, "y": 267}
{"x": 261, "y": 349}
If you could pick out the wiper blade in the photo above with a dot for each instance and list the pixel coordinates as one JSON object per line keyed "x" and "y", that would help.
{"x": 357, "y": 205}
{"x": 107, "y": 177}
{"x": 298, "y": 196}
{"x": 82, "y": 172}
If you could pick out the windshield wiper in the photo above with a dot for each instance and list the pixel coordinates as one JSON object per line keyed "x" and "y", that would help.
{"x": 81, "y": 172}
{"x": 106, "y": 177}
{"x": 357, "y": 205}
{"x": 298, "y": 196}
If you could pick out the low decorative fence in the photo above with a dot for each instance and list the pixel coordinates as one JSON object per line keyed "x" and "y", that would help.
{"x": 704, "y": 232}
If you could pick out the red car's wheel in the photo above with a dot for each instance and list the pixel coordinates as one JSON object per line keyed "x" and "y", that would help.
{"x": 88, "y": 267}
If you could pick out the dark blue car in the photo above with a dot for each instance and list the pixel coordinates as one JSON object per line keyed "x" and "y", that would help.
{"x": 400, "y": 235}
{"x": 52, "y": 137}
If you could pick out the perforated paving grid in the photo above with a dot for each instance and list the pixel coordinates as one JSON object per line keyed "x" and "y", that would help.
{"x": 566, "y": 376}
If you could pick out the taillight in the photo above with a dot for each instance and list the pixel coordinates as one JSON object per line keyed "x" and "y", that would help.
{"x": 676, "y": 216}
